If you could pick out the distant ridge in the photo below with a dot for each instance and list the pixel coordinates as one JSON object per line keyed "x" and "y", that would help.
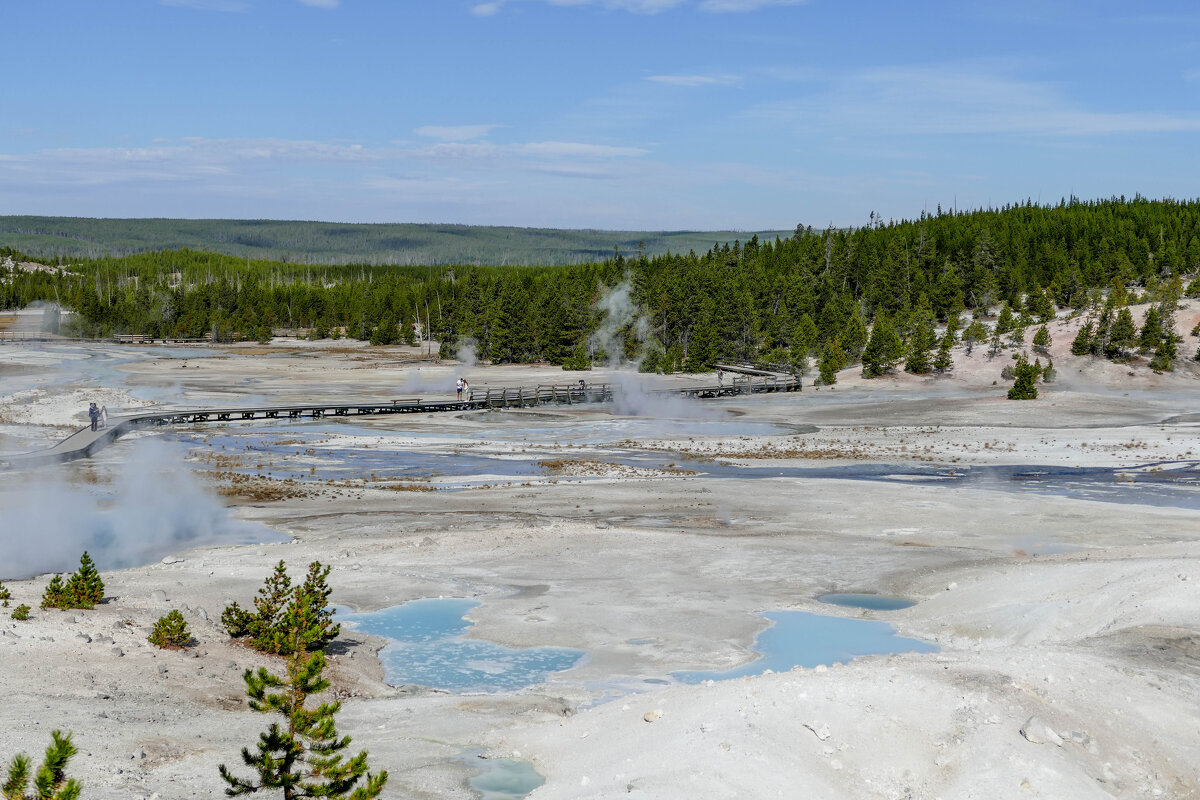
{"x": 345, "y": 243}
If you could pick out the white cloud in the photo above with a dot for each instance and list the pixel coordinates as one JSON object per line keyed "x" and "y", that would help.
{"x": 198, "y": 162}
{"x": 956, "y": 99}
{"x": 455, "y": 133}
{"x": 694, "y": 80}
{"x": 578, "y": 150}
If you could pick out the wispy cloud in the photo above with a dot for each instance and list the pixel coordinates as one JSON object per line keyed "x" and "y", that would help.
{"x": 194, "y": 160}
{"x": 455, "y": 133}
{"x": 957, "y": 99}
{"x": 694, "y": 80}
{"x": 492, "y": 7}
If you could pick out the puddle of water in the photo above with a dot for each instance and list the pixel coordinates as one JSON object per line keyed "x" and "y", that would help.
{"x": 798, "y": 638}
{"x": 503, "y": 778}
{"x": 429, "y": 649}
{"x": 874, "y": 602}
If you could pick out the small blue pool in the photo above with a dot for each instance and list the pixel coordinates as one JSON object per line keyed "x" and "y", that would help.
{"x": 873, "y": 602}
{"x": 429, "y": 649}
{"x": 801, "y": 639}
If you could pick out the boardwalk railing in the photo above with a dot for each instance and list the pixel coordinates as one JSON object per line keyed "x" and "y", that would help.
{"x": 542, "y": 394}
{"x": 85, "y": 442}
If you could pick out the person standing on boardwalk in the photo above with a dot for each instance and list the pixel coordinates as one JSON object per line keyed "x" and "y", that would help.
{"x": 460, "y": 383}
{"x": 93, "y": 415}
{"x": 103, "y": 416}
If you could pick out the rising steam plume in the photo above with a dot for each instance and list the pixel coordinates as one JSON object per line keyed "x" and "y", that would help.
{"x": 155, "y": 507}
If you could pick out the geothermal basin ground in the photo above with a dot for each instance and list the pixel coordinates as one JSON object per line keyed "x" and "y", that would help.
{"x": 1050, "y": 550}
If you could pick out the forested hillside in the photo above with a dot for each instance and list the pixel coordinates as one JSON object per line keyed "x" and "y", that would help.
{"x": 337, "y": 243}
{"x": 813, "y": 294}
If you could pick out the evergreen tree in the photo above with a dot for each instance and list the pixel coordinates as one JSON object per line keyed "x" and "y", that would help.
{"x": 995, "y": 345}
{"x": 236, "y": 620}
{"x": 854, "y": 335}
{"x": 804, "y": 337}
{"x": 883, "y": 350}
{"x": 974, "y": 334}
{"x": 1042, "y": 304}
{"x": 385, "y": 332}
{"x": 832, "y": 359}
{"x": 170, "y": 631}
{"x": 303, "y": 758}
{"x": 1122, "y": 336}
{"x": 283, "y": 613}
{"x": 408, "y": 334}
{"x": 1007, "y": 321}
{"x": 51, "y": 782}
{"x": 1082, "y": 344}
{"x": 1164, "y": 355}
{"x": 1025, "y": 385}
{"x": 309, "y": 612}
{"x": 702, "y": 346}
{"x": 944, "y": 361}
{"x": 270, "y": 604}
{"x": 85, "y": 587}
{"x": 1042, "y": 340}
{"x": 1151, "y": 333}
{"x": 952, "y": 325}
{"x": 920, "y": 344}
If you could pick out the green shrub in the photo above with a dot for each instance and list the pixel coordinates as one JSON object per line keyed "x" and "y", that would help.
{"x": 281, "y": 611}
{"x": 84, "y": 589}
{"x": 5, "y": 595}
{"x": 170, "y": 632}
{"x": 1025, "y": 386}
{"x": 21, "y": 612}
{"x": 237, "y": 620}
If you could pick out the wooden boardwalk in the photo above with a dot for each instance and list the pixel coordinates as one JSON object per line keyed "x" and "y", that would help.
{"x": 86, "y": 442}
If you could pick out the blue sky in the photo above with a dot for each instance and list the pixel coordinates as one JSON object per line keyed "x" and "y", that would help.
{"x": 644, "y": 114}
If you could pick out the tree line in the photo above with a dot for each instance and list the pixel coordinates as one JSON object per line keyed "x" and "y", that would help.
{"x": 815, "y": 294}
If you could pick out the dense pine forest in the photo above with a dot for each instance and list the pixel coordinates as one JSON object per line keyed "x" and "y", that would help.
{"x": 815, "y": 294}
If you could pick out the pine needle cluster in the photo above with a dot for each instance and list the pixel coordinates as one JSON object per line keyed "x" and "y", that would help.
{"x": 84, "y": 589}
{"x": 170, "y": 632}
{"x": 284, "y": 616}
{"x": 50, "y": 782}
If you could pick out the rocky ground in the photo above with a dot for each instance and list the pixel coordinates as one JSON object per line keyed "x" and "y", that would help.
{"x": 1070, "y": 656}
